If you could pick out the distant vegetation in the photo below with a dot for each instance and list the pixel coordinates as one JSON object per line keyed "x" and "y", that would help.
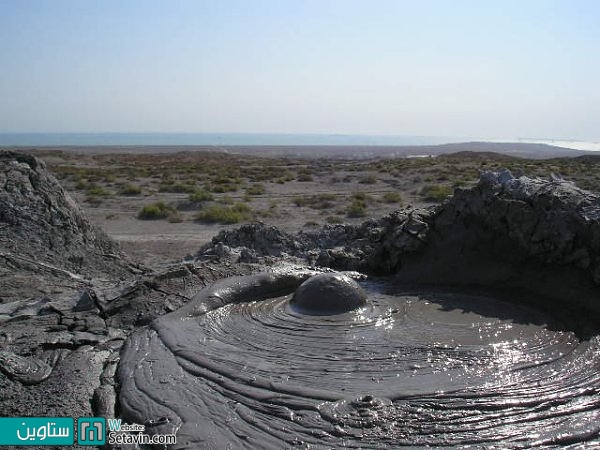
{"x": 436, "y": 192}
{"x": 238, "y": 212}
{"x": 130, "y": 189}
{"x": 200, "y": 195}
{"x": 391, "y": 197}
{"x": 219, "y": 188}
{"x": 156, "y": 210}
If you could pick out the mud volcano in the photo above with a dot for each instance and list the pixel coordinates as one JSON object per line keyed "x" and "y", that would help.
{"x": 456, "y": 357}
{"x": 407, "y": 368}
{"x": 477, "y": 325}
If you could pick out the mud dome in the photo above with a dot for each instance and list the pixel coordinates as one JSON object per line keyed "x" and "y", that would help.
{"x": 408, "y": 368}
{"x": 327, "y": 294}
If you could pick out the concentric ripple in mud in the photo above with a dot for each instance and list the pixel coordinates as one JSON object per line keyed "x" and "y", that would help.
{"x": 410, "y": 369}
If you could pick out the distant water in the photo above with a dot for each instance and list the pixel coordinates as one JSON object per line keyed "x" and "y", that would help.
{"x": 216, "y": 139}
{"x": 576, "y": 145}
{"x": 255, "y": 139}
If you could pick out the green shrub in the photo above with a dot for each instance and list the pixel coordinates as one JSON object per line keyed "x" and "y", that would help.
{"x": 200, "y": 195}
{"x": 226, "y": 200}
{"x": 222, "y": 188}
{"x": 304, "y": 177}
{"x": 357, "y": 208}
{"x": 157, "y": 210}
{"x": 436, "y": 192}
{"x": 82, "y": 185}
{"x": 391, "y": 197}
{"x": 362, "y": 197}
{"x": 225, "y": 214}
{"x": 369, "y": 179}
{"x": 94, "y": 190}
{"x": 130, "y": 189}
{"x": 256, "y": 189}
{"x": 177, "y": 188}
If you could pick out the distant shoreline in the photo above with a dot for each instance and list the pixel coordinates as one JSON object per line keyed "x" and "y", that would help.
{"x": 260, "y": 139}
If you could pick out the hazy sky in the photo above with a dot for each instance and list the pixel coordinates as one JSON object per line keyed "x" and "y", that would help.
{"x": 493, "y": 69}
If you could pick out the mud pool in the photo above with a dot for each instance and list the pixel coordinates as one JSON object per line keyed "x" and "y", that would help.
{"x": 410, "y": 368}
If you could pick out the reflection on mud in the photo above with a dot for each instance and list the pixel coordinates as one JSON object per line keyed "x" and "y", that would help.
{"x": 408, "y": 369}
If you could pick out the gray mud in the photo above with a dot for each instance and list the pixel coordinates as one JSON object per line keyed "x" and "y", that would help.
{"x": 409, "y": 369}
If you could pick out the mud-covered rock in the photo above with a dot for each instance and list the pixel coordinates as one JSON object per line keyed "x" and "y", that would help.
{"x": 44, "y": 235}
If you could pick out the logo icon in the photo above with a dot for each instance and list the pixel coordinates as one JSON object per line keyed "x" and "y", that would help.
{"x": 91, "y": 431}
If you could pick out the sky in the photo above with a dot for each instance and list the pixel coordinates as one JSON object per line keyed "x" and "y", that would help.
{"x": 493, "y": 69}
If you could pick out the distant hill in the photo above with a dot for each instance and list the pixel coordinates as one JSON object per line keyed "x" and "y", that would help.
{"x": 523, "y": 150}
{"x": 474, "y": 155}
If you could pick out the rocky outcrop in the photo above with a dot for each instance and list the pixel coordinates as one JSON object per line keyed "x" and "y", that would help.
{"x": 531, "y": 235}
{"x": 69, "y": 298}
{"x": 45, "y": 236}
{"x": 340, "y": 247}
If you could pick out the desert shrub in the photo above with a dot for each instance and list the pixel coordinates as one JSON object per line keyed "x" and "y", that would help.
{"x": 369, "y": 179}
{"x": 271, "y": 211}
{"x": 362, "y": 197}
{"x": 300, "y": 201}
{"x": 391, "y": 197}
{"x": 177, "y": 188}
{"x": 130, "y": 189}
{"x": 82, "y": 185}
{"x": 226, "y": 200}
{"x": 222, "y": 188}
{"x": 322, "y": 201}
{"x": 200, "y": 195}
{"x": 304, "y": 175}
{"x": 256, "y": 189}
{"x": 225, "y": 214}
{"x": 94, "y": 190}
{"x": 156, "y": 210}
{"x": 436, "y": 192}
{"x": 357, "y": 208}
{"x": 334, "y": 219}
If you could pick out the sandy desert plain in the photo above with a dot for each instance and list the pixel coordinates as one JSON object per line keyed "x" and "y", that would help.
{"x": 163, "y": 205}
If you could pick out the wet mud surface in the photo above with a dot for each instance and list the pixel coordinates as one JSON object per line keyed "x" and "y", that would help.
{"x": 408, "y": 369}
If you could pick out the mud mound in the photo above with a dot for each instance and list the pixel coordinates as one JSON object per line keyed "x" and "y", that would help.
{"x": 45, "y": 237}
{"x": 532, "y": 235}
